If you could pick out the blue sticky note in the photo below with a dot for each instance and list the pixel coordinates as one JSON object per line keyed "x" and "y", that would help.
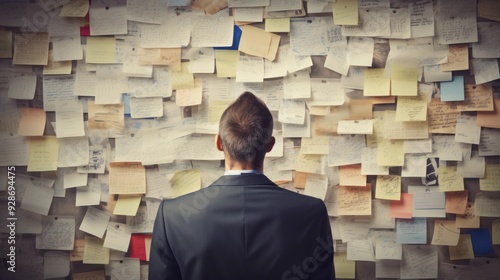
{"x": 453, "y": 90}
{"x": 411, "y": 231}
{"x": 236, "y": 40}
{"x": 126, "y": 104}
{"x": 481, "y": 241}
{"x": 173, "y": 3}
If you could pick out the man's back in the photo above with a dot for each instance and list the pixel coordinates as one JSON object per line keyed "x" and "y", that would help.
{"x": 242, "y": 227}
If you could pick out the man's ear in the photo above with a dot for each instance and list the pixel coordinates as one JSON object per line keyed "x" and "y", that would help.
{"x": 218, "y": 143}
{"x": 270, "y": 146}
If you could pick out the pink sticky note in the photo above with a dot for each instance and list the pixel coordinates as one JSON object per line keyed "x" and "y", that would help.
{"x": 402, "y": 208}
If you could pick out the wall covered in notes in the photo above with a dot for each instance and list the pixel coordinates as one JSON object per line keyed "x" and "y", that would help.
{"x": 386, "y": 110}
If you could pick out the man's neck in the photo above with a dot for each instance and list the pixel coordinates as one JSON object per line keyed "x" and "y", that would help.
{"x": 239, "y": 166}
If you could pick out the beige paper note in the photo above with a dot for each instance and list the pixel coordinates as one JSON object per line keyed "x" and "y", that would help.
{"x": 127, "y": 178}
{"x": 442, "y": 116}
{"x": 5, "y": 44}
{"x": 350, "y": 175}
{"x": 94, "y": 252}
{"x": 477, "y": 98}
{"x": 355, "y": 200}
{"x": 257, "y": 42}
{"x": 469, "y": 219}
{"x": 31, "y": 49}
{"x": 77, "y": 253}
{"x": 345, "y": 12}
{"x": 463, "y": 250}
{"x": 445, "y": 233}
{"x": 277, "y": 25}
{"x": 57, "y": 67}
{"x": 458, "y": 58}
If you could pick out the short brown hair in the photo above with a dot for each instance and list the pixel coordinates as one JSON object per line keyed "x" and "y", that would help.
{"x": 245, "y": 129}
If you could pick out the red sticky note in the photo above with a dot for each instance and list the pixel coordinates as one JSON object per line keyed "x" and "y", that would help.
{"x": 85, "y": 30}
{"x": 402, "y": 208}
{"x": 137, "y": 247}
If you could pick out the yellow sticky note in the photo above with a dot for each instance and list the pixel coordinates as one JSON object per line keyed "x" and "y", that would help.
{"x": 75, "y": 8}
{"x": 182, "y": 79}
{"x": 127, "y": 205}
{"x": 388, "y": 187}
{"x": 449, "y": 180}
{"x": 5, "y": 44}
{"x": 216, "y": 108}
{"x": 375, "y": 84}
{"x": 100, "y": 50}
{"x": 491, "y": 179}
{"x": 445, "y": 233}
{"x": 345, "y": 12}
{"x": 226, "y": 63}
{"x": 404, "y": 80}
{"x": 43, "y": 153}
{"x": 57, "y": 67}
{"x": 390, "y": 152}
{"x": 463, "y": 250}
{"x": 185, "y": 181}
{"x": 495, "y": 232}
{"x": 309, "y": 164}
{"x": 94, "y": 252}
{"x": 344, "y": 269}
{"x": 257, "y": 42}
{"x": 411, "y": 108}
{"x": 277, "y": 25}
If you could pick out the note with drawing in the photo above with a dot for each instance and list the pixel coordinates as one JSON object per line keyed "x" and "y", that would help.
{"x": 58, "y": 233}
{"x": 445, "y": 233}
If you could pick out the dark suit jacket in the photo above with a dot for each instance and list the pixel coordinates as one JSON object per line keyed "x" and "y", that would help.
{"x": 242, "y": 227}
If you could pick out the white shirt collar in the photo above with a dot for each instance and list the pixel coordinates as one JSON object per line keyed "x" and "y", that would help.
{"x": 239, "y": 172}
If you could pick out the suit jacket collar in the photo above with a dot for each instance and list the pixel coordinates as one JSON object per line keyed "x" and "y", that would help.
{"x": 243, "y": 179}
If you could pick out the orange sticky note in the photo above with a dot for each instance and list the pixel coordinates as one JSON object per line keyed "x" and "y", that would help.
{"x": 490, "y": 118}
{"x": 456, "y": 202}
{"x": 403, "y": 208}
{"x": 32, "y": 122}
{"x": 350, "y": 175}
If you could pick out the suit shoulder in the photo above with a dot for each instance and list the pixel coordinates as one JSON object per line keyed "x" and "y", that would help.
{"x": 304, "y": 199}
